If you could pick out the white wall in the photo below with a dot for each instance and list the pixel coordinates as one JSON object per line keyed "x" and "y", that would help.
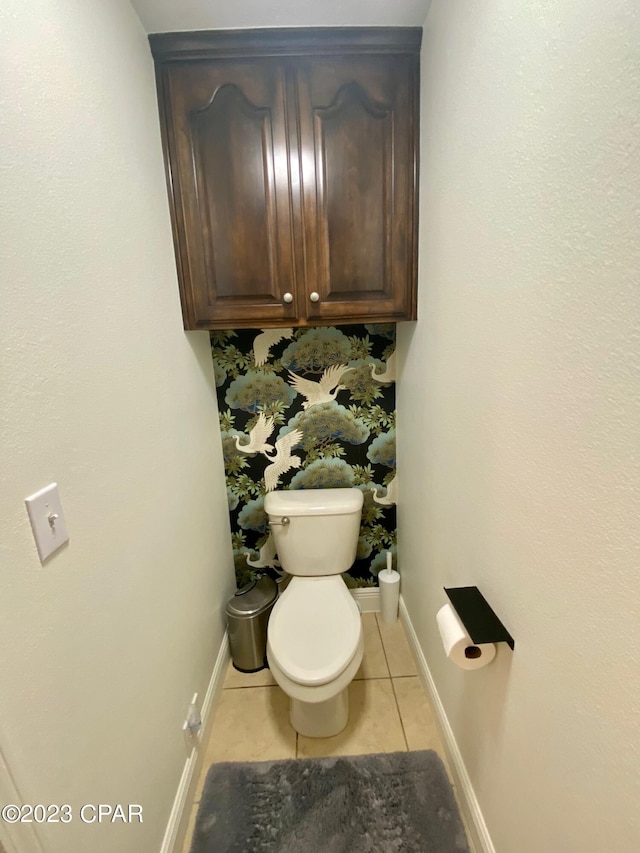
{"x": 519, "y": 432}
{"x": 102, "y": 391}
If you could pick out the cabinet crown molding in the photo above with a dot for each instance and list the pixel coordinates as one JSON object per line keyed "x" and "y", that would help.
{"x": 285, "y": 41}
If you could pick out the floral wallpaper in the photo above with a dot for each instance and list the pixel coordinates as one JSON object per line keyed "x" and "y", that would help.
{"x": 308, "y": 408}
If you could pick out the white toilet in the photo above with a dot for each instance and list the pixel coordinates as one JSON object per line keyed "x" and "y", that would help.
{"x": 314, "y": 637}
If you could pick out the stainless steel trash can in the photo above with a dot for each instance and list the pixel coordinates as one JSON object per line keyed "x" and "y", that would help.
{"x": 247, "y": 616}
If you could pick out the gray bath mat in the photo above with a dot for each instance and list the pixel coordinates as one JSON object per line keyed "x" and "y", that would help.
{"x": 399, "y": 801}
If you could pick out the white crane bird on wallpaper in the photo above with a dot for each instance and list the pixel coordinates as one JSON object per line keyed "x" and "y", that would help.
{"x": 282, "y": 461}
{"x": 322, "y": 391}
{"x": 389, "y": 374}
{"x": 263, "y": 342}
{"x": 267, "y": 556}
{"x": 392, "y": 494}
{"x": 258, "y": 436}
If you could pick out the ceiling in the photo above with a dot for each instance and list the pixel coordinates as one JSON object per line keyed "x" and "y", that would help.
{"x": 159, "y": 16}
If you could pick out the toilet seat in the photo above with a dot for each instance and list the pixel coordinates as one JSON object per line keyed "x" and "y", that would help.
{"x": 314, "y": 630}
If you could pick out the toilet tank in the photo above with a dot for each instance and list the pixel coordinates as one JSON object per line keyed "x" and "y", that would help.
{"x": 321, "y": 536}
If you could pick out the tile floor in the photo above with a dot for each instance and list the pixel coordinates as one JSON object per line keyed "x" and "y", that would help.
{"x": 389, "y": 712}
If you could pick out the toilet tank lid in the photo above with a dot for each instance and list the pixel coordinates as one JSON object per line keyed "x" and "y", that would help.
{"x": 313, "y": 502}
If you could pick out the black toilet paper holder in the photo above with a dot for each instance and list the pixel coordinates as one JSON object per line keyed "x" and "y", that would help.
{"x": 477, "y": 616}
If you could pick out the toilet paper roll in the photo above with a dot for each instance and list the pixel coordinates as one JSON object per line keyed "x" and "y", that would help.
{"x": 458, "y": 645}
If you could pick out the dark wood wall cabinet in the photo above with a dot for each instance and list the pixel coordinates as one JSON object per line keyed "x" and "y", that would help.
{"x": 292, "y": 165}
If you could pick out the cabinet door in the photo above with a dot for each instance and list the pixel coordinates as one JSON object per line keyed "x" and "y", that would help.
{"x": 359, "y": 170}
{"x": 225, "y": 128}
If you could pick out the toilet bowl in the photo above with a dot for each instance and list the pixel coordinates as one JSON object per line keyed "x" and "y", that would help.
{"x": 314, "y": 648}
{"x": 314, "y": 637}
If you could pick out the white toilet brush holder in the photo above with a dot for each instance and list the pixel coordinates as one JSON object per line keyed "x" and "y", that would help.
{"x": 389, "y": 584}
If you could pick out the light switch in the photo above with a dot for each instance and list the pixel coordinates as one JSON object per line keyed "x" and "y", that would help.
{"x": 47, "y": 520}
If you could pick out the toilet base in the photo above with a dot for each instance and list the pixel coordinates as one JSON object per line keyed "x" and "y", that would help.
{"x": 320, "y": 719}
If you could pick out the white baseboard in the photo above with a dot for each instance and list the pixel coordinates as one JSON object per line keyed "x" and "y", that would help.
{"x": 179, "y": 818}
{"x": 368, "y": 597}
{"x": 480, "y": 838}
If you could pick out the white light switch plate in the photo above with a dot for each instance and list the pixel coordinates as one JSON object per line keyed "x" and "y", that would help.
{"x": 47, "y": 520}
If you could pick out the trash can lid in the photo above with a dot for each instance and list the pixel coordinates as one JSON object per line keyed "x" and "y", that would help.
{"x": 253, "y": 598}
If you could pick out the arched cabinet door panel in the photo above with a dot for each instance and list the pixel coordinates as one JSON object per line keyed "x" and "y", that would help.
{"x": 358, "y": 184}
{"x": 230, "y": 179}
